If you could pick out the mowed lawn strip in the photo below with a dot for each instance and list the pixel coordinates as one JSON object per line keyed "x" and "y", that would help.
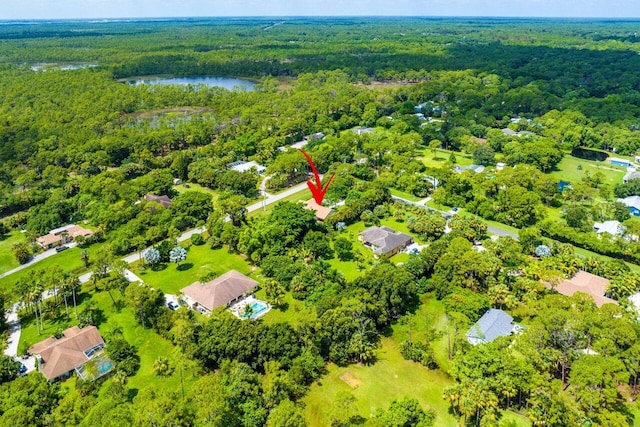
{"x": 7, "y": 260}
{"x": 201, "y": 260}
{"x": 68, "y": 260}
{"x": 567, "y": 170}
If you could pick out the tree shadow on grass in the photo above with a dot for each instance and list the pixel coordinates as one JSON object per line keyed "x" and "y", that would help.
{"x": 185, "y": 266}
{"x": 159, "y": 267}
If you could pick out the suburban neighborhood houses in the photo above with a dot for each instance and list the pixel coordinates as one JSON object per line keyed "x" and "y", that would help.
{"x": 386, "y": 222}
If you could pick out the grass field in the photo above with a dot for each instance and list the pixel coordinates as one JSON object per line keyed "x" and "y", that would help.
{"x": 149, "y": 345}
{"x": 180, "y": 188}
{"x": 404, "y": 195}
{"x": 200, "y": 261}
{"x": 392, "y": 377}
{"x": 567, "y": 170}
{"x": 442, "y": 158}
{"x": 303, "y": 194}
{"x": 68, "y": 260}
{"x": 7, "y": 260}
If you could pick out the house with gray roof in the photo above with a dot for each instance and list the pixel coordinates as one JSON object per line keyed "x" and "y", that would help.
{"x": 493, "y": 324}
{"x": 384, "y": 240}
{"x": 631, "y": 174}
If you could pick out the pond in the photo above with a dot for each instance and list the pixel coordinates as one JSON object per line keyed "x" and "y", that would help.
{"x": 225, "y": 82}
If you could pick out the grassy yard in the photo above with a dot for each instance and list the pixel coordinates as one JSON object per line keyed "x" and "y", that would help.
{"x": 406, "y": 196}
{"x": 149, "y": 345}
{"x": 7, "y": 260}
{"x": 392, "y": 377}
{"x": 181, "y": 188}
{"x": 462, "y": 159}
{"x": 68, "y": 260}
{"x": 567, "y": 170}
{"x": 303, "y": 194}
{"x": 375, "y": 386}
{"x": 200, "y": 261}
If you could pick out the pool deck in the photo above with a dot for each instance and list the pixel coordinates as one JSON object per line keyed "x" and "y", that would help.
{"x": 238, "y": 307}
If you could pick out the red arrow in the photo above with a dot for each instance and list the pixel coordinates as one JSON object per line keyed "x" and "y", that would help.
{"x": 317, "y": 189}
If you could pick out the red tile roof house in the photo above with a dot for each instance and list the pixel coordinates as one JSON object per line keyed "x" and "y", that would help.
{"x": 59, "y": 357}
{"x": 322, "y": 212}
{"x": 384, "y": 240}
{"x": 63, "y": 235}
{"x": 219, "y": 292}
{"x": 593, "y": 285}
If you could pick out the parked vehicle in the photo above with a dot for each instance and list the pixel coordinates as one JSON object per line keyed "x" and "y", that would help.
{"x": 62, "y": 248}
{"x": 173, "y": 305}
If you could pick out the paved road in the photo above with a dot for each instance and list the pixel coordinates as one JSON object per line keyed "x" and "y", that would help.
{"x": 36, "y": 258}
{"x": 12, "y": 315}
{"x": 423, "y": 204}
{"x": 272, "y": 198}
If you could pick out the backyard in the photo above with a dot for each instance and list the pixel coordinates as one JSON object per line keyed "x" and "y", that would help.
{"x": 201, "y": 261}
{"x": 567, "y": 170}
{"x": 149, "y": 345}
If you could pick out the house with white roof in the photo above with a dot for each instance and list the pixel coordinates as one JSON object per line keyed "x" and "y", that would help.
{"x": 614, "y": 228}
{"x": 241, "y": 166}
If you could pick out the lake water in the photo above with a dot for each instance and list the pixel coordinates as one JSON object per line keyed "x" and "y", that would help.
{"x": 225, "y": 82}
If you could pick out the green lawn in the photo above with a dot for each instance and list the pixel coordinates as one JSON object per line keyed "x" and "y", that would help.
{"x": 303, "y": 194}
{"x": 7, "y": 260}
{"x": 68, "y": 260}
{"x": 180, "y": 188}
{"x": 391, "y": 377}
{"x": 404, "y": 195}
{"x": 442, "y": 158}
{"x": 200, "y": 261}
{"x": 567, "y": 170}
{"x": 149, "y": 345}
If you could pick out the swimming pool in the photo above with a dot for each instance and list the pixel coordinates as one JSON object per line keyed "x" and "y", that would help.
{"x": 257, "y": 309}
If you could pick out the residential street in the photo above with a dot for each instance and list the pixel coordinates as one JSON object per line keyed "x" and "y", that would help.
{"x": 35, "y": 259}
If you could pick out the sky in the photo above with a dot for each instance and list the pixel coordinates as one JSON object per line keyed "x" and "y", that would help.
{"x": 102, "y": 9}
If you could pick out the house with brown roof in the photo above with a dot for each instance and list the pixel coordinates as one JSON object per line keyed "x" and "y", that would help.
{"x": 165, "y": 201}
{"x": 219, "y": 292}
{"x": 59, "y": 357}
{"x": 384, "y": 240}
{"x": 322, "y": 212}
{"x": 593, "y": 285}
{"x": 63, "y": 235}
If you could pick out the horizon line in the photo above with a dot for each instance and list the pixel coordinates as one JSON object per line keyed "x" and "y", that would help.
{"x": 148, "y": 18}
